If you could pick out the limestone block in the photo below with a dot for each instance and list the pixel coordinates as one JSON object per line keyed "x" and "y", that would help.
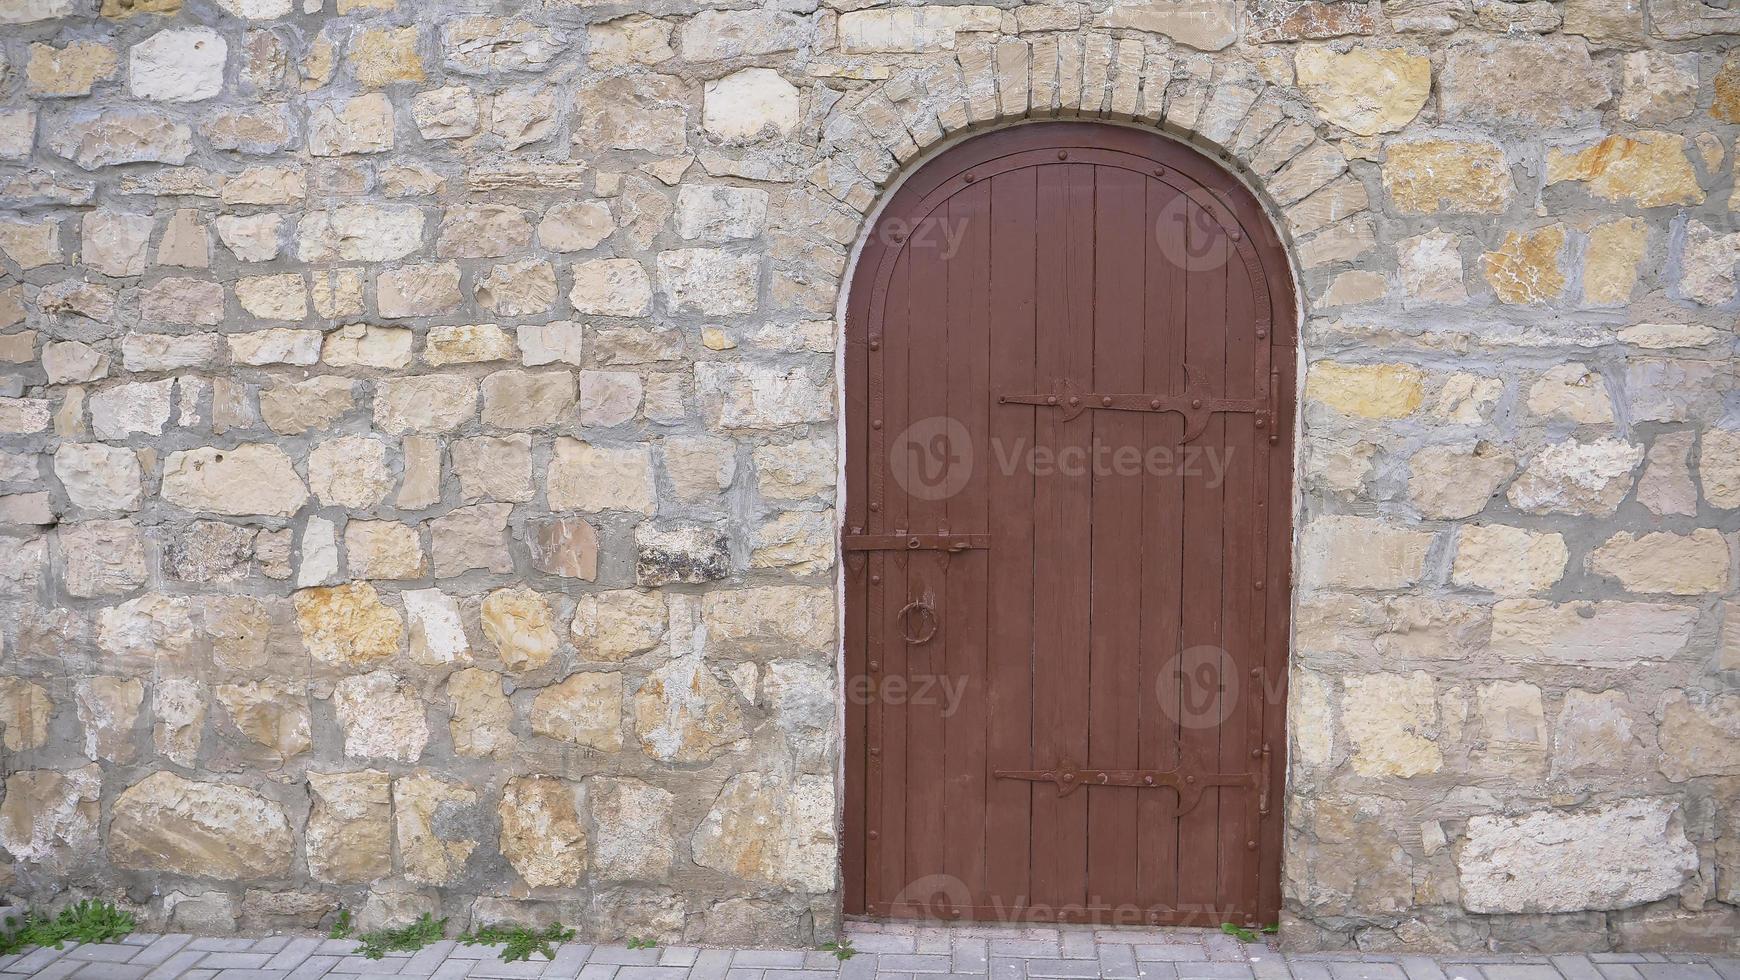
{"x": 1665, "y": 562}
{"x": 1508, "y": 560}
{"x": 1570, "y": 857}
{"x": 584, "y": 709}
{"x": 542, "y": 834}
{"x": 166, "y": 822}
{"x": 1361, "y": 553}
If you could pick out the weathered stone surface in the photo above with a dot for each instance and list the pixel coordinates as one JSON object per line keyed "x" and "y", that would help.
{"x": 350, "y": 471}
{"x": 1455, "y": 482}
{"x": 431, "y": 403}
{"x": 765, "y": 827}
{"x": 348, "y": 126}
{"x": 26, "y": 710}
{"x": 349, "y": 832}
{"x": 471, "y": 537}
{"x": 384, "y": 550}
{"x": 1527, "y": 267}
{"x": 1595, "y": 633}
{"x": 382, "y": 717}
{"x": 178, "y": 65}
{"x": 1569, "y": 854}
{"x": 683, "y": 714}
{"x": 1508, "y": 560}
{"x": 252, "y": 478}
{"x": 1366, "y": 390}
{"x": 585, "y": 709}
{"x": 613, "y": 626}
{"x": 1208, "y": 25}
{"x": 167, "y": 822}
{"x": 271, "y": 716}
{"x": 108, "y": 709}
{"x": 482, "y": 723}
{"x": 117, "y": 137}
{"x": 99, "y": 477}
{"x": 348, "y": 625}
{"x": 1700, "y": 735}
{"x": 542, "y": 834}
{"x": 50, "y": 818}
{"x": 752, "y": 104}
{"x": 1664, "y": 562}
{"x": 70, "y": 70}
{"x": 1361, "y": 553}
{"x": 517, "y": 623}
{"x": 1424, "y": 176}
{"x": 494, "y": 468}
{"x": 1365, "y": 90}
{"x": 641, "y": 844}
{"x": 1596, "y": 732}
{"x": 587, "y": 477}
{"x": 102, "y": 558}
{"x": 1647, "y": 168}
{"x": 1521, "y": 83}
{"x": 690, "y": 553}
{"x": 565, "y": 546}
{"x": 611, "y": 287}
{"x": 429, "y": 829}
{"x": 1392, "y": 720}
{"x": 1577, "y": 478}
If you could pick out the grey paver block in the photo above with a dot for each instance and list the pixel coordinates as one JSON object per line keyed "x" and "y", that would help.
{"x": 339, "y": 947}
{"x": 769, "y": 959}
{"x": 161, "y": 949}
{"x": 882, "y": 942}
{"x": 799, "y": 975}
{"x": 679, "y": 955}
{"x": 271, "y": 944}
{"x": 1157, "y": 971}
{"x": 1117, "y": 961}
{"x": 861, "y": 966}
{"x": 1728, "y": 967}
{"x": 236, "y": 961}
{"x": 313, "y": 968}
{"x": 451, "y": 970}
{"x": 1223, "y": 948}
{"x": 176, "y": 965}
{"x": 1063, "y": 968}
{"x": 1307, "y": 969}
{"x": 1007, "y": 968}
{"x": 292, "y": 953}
{"x": 821, "y": 959}
{"x": 1367, "y": 971}
{"x": 36, "y": 960}
{"x": 623, "y": 956}
{"x": 140, "y": 938}
{"x": 570, "y": 958}
{"x": 221, "y": 944}
{"x": 200, "y": 975}
{"x": 1519, "y": 971}
{"x": 712, "y": 964}
{"x": 1214, "y": 971}
{"x": 1024, "y": 947}
{"x": 598, "y": 971}
{"x": 1576, "y": 968}
{"x": 362, "y": 964}
{"x": 56, "y": 970}
{"x": 517, "y": 970}
{"x": 425, "y": 960}
{"x": 102, "y": 952}
{"x": 915, "y": 962}
{"x": 252, "y": 974}
{"x": 1077, "y": 944}
{"x": 743, "y": 973}
{"x": 1172, "y": 953}
{"x": 109, "y": 970}
{"x": 652, "y": 973}
{"x": 971, "y": 956}
{"x": 894, "y": 976}
{"x": 1422, "y": 968}
{"x": 1678, "y": 971}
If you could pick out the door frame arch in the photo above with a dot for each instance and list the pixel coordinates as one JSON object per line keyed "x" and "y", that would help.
{"x": 1260, "y": 221}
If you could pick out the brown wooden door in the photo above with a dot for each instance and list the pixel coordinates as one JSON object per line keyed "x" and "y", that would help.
{"x": 1070, "y": 378}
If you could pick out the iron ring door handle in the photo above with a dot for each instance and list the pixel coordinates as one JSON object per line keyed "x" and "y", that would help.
{"x": 926, "y": 629}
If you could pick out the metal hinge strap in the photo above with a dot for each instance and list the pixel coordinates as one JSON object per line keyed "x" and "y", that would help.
{"x": 914, "y": 542}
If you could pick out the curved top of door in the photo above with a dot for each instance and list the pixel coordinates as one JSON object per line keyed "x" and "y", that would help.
{"x": 1186, "y": 169}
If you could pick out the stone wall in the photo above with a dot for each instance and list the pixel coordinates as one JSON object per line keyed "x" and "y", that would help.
{"x": 418, "y": 469}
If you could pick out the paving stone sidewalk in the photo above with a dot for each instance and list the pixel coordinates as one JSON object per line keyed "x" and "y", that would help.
{"x": 884, "y": 953}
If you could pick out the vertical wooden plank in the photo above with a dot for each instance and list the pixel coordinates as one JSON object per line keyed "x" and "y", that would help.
{"x": 1007, "y": 462}
{"x": 1163, "y": 546}
{"x": 1116, "y": 556}
{"x": 856, "y": 675}
{"x": 892, "y": 825}
{"x": 1062, "y": 534}
{"x": 1241, "y": 615}
{"x": 961, "y": 696}
{"x": 926, "y": 573}
{"x": 1199, "y": 719}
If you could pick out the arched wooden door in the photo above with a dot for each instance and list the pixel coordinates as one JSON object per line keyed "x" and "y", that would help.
{"x": 1069, "y": 378}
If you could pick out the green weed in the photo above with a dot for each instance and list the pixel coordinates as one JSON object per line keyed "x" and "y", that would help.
{"x": 519, "y": 942}
{"x": 636, "y": 942}
{"x": 89, "y": 921}
{"x": 380, "y": 942}
{"x": 341, "y": 926}
{"x": 841, "y": 948}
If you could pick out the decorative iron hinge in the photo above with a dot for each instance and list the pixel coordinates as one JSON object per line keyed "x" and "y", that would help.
{"x": 1189, "y": 785}
{"x": 1195, "y": 407}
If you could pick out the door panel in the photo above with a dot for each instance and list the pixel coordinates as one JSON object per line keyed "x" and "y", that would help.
{"x": 1068, "y": 362}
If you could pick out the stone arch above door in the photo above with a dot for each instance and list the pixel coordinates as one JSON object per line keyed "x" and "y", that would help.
{"x": 1265, "y": 133}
